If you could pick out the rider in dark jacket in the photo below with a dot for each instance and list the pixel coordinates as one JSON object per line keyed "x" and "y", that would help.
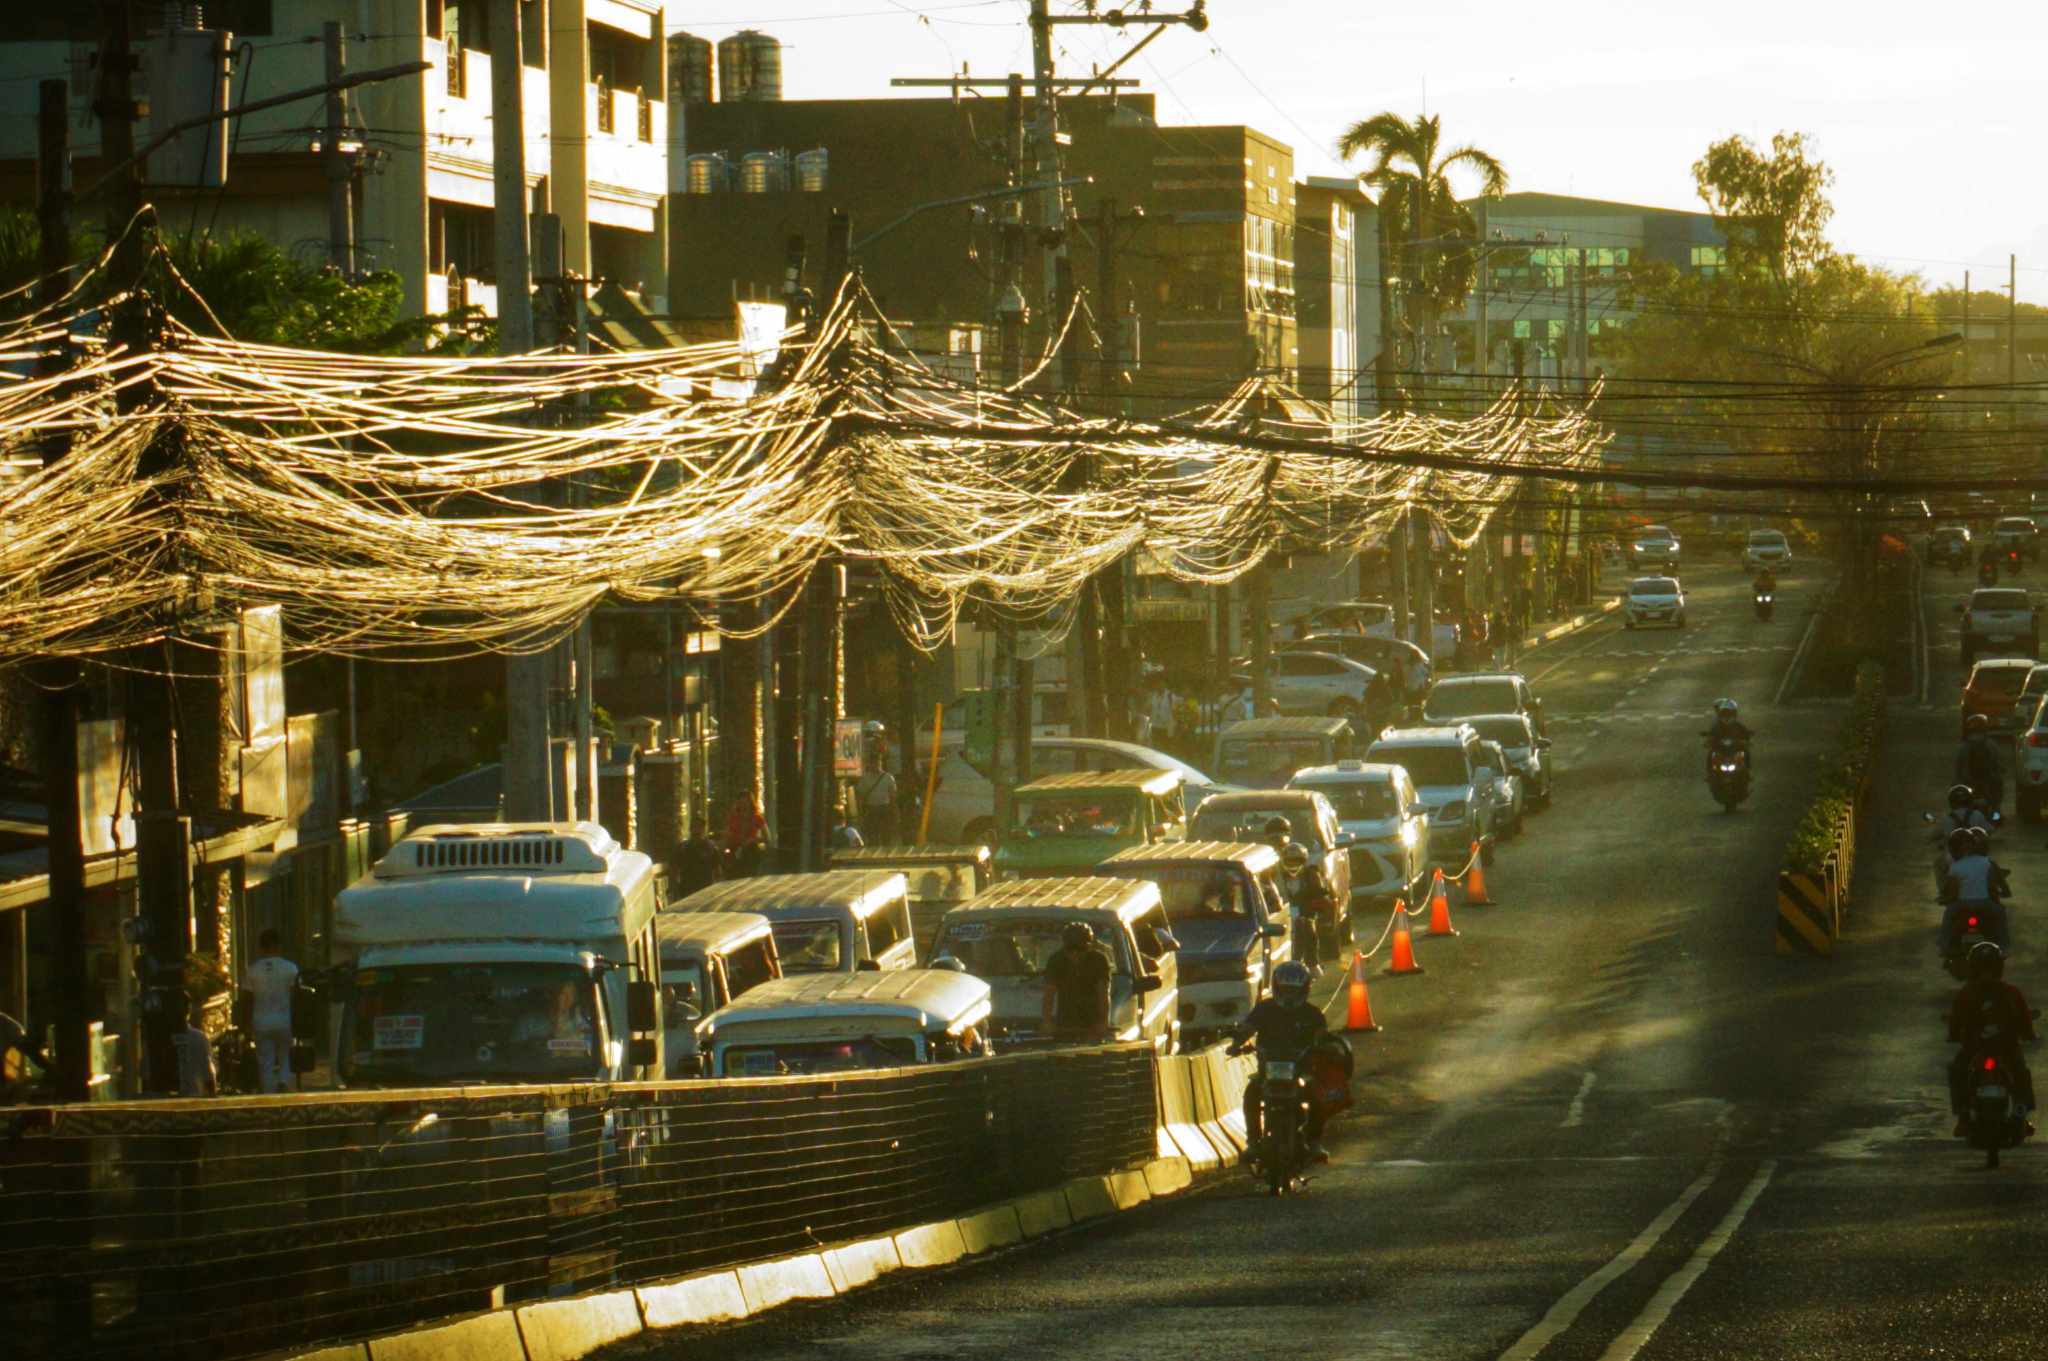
{"x": 1286, "y": 1026}
{"x": 1989, "y": 1017}
{"x": 1977, "y": 763}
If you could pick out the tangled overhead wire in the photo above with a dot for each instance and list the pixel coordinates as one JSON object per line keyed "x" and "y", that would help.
{"x": 428, "y": 506}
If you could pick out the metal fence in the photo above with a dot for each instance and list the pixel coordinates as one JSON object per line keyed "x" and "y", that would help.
{"x": 234, "y": 1227}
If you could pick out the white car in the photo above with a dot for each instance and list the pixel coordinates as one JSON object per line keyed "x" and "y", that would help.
{"x": 1512, "y": 797}
{"x": 2030, "y": 762}
{"x": 1766, "y": 548}
{"x": 1444, "y": 763}
{"x": 1653, "y": 546}
{"x": 1999, "y": 621}
{"x": 1383, "y": 818}
{"x": 1525, "y": 750}
{"x": 1317, "y": 683}
{"x": 1654, "y": 600}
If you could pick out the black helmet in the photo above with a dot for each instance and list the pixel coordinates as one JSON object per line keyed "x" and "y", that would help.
{"x": 1959, "y": 843}
{"x": 1290, "y": 982}
{"x": 1279, "y": 831}
{"x": 1960, "y": 796}
{"x": 948, "y": 963}
{"x": 1985, "y": 960}
{"x": 1294, "y": 857}
{"x": 1077, "y": 935}
{"x": 1976, "y": 723}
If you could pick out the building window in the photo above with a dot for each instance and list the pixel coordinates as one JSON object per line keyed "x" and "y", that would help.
{"x": 461, "y": 240}
{"x": 620, "y": 62}
{"x": 1709, "y": 261}
{"x": 1201, "y": 268}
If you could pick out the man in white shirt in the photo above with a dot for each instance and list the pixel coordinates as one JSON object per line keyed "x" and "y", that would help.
{"x": 270, "y": 981}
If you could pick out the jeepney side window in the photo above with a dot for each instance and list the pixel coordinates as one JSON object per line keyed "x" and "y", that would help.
{"x": 1146, "y": 931}
{"x": 750, "y": 965}
{"x": 885, "y": 929}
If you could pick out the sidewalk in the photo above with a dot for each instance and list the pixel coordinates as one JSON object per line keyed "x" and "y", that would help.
{"x": 1579, "y": 621}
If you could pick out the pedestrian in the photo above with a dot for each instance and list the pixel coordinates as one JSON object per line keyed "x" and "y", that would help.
{"x": 1160, "y": 707}
{"x": 745, "y": 833}
{"x": 698, "y": 863}
{"x": 271, "y": 980}
{"x": 844, "y": 835}
{"x": 876, "y": 790}
{"x": 196, "y": 1073}
{"x": 1075, "y": 1002}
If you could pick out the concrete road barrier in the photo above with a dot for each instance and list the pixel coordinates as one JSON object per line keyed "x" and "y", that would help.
{"x": 928, "y": 1245}
{"x": 856, "y": 1264}
{"x": 767, "y": 1284}
{"x": 569, "y": 1330}
{"x": 713, "y": 1298}
{"x": 481, "y": 1337}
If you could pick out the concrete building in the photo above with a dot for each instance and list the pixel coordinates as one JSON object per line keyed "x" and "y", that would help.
{"x": 1336, "y": 251}
{"x": 420, "y": 145}
{"x": 1529, "y": 287}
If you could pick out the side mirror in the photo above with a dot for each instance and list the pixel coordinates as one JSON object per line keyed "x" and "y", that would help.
{"x": 641, "y": 1053}
{"x": 1274, "y": 930}
{"x": 1544, "y": 744}
{"x": 642, "y": 1008}
{"x": 867, "y": 966}
{"x": 1149, "y": 982}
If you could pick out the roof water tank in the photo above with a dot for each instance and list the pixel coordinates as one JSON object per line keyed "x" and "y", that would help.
{"x": 764, "y": 172}
{"x": 709, "y": 173}
{"x": 811, "y": 167}
{"x": 749, "y": 68}
{"x": 689, "y": 69}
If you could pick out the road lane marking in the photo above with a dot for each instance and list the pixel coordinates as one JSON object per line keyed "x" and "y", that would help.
{"x": 1563, "y": 1314}
{"x": 1638, "y": 1334}
{"x": 1576, "y": 1116}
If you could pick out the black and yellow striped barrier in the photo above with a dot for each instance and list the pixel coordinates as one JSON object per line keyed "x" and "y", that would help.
{"x": 1806, "y": 920}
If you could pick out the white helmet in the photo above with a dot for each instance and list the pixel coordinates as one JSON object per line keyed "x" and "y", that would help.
{"x": 1724, "y": 708}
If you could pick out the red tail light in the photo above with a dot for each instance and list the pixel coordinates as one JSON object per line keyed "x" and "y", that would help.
{"x": 2037, "y": 738}
{"x": 1971, "y": 924}
{"x": 1990, "y": 1065}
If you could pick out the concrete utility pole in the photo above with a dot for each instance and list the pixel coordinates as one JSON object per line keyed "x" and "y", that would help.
{"x": 163, "y": 862}
{"x": 2012, "y": 338}
{"x": 1482, "y": 348}
{"x": 1582, "y": 334}
{"x": 341, "y": 231}
{"x": 820, "y": 624}
{"x": 529, "y": 790}
{"x": 59, "y": 677}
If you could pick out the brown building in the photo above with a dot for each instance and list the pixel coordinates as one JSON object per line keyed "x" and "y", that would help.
{"x": 1207, "y": 273}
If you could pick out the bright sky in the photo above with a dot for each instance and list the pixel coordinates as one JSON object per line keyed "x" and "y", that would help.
{"x": 1931, "y": 118}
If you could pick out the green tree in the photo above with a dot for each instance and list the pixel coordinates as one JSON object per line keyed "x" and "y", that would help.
{"x": 1774, "y": 210}
{"x": 1418, "y": 206}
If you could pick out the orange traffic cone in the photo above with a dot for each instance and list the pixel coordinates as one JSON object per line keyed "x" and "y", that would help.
{"x": 1403, "y": 961}
{"x": 1440, "y": 907}
{"x": 1358, "y": 1014}
{"x": 1475, "y": 882}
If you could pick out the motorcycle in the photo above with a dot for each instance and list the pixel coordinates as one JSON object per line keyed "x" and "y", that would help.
{"x": 1728, "y": 771}
{"x": 1987, "y": 573}
{"x": 1942, "y": 826}
{"x": 1284, "y": 1097}
{"x": 1764, "y": 606}
{"x": 1992, "y": 1120}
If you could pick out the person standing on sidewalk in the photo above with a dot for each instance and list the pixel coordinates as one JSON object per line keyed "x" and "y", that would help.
{"x": 270, "y": 981}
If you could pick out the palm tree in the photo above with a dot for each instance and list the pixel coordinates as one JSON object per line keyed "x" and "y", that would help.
{"x": 1417, "y": 204}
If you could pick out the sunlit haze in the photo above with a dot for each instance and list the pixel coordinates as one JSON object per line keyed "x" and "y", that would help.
{"x": 1927, "y": 117}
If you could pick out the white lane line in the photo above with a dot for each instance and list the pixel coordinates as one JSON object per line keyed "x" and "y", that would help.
{"x": 1576, "y": 1116}
{"x": 1566, "y": 1311}
{"x": 1634, "y": 1337}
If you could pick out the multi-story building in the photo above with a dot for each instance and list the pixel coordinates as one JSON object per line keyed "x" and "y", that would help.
{"x": 419, "y": 146}
{"x": 1336, "y": 253}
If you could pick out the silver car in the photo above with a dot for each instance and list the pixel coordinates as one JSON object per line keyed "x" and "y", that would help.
{"x": 1654, "y": 600}
{"x": 1444, "y": 763}
{"x": 1528, "y": 755}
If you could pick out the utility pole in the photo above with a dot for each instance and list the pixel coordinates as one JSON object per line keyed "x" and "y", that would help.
{"x": 528, "y": 786}
{"x": 59, "y": 678}
{"x": 2012, "y": 339}
{"x": 163, "y": 861}
{"x": 1109, "y": 582}
{"x": 1582, "y": 334}
{"x": 1482, "y": 349}
{"x": 1968, "y": 368}
{"x": 820, "y": 624}
{"x": 341, "y": 232}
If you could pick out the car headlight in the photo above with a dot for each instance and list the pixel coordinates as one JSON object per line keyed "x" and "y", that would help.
{"x": 1451, "y": 811}
{"x": 1408, "y": 834}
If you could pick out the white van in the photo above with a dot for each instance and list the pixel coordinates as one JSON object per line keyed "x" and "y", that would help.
{"x": 836, "y": 1023}
{"x": 835, "y": 922}
{"x": 500, "y": 952}
{"x": 707, "y": 960}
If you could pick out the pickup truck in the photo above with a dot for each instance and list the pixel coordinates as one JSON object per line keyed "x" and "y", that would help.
{"x": 1999, "y": 621}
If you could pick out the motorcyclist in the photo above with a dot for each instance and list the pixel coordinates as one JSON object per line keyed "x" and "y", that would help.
{"x": 1305, "y": 890}
{"x": 1766, "y": 582}
{"x": 1728, "y": 724}
{"x": 1988, "y": 1018}
{"x": 2001, "y": 880}
{"x": 1964, "y": 812}
{"x": 1971, "y": 889}
{"x": 1977, "y": 763}
{"x": 1284, "y": 1026}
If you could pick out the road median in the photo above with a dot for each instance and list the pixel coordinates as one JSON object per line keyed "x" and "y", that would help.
{"x": 1819, "y": 864}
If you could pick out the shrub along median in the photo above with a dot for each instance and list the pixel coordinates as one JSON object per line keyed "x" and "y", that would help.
{"x": 1813, "y": 885}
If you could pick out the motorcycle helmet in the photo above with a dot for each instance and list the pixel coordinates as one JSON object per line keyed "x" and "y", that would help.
{"x": 1290, "y": 983}
{"x": 1279, "y": 831}
{"x": 1976, "y": 723}
{"x": 1960, "y": 796}
{"x": 948, "y": 963}
{"x": 1985, "y": 961}
{"x": 1980, "y": 840}
{"x": 1077, "y": 935}
{"x": 1725, "y": 709}
{"x": 1294, "y": 857}
{"x": 1960, "y": 843}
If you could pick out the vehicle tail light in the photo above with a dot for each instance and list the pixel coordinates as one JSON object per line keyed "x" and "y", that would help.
{"x": 1971, "y": 924}
{"x": 2037, "y": 738}
{"x": 1990, "y": 1065}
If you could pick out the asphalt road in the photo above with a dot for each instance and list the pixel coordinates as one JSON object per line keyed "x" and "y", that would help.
{"x": 1607, "y": 1121}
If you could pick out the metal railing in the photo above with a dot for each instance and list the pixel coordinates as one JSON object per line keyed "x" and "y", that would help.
{"x": 234, "y": 1227}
